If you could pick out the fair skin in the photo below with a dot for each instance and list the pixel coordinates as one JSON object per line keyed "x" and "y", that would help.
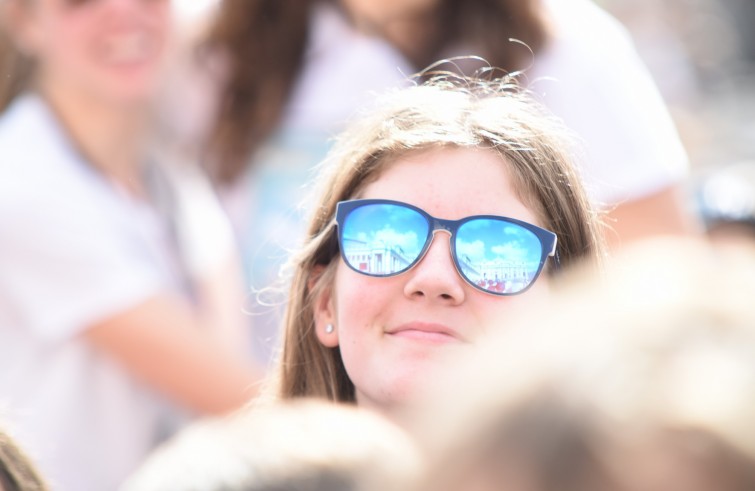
{"x": 98, "y": 65}
{"x": 394, "y": 332}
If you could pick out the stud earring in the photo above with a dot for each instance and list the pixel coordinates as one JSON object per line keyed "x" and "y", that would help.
{"x": 329, "y": 329}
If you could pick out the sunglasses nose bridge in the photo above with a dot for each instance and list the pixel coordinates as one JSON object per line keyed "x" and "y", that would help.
{"x": 435, "y": 230}
{"x": 439, "y": 225}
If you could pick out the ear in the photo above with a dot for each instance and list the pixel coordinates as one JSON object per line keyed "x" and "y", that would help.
{"x": 323, "y": 306}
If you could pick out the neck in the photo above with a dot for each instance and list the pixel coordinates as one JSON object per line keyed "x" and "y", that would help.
{"x": 413, "y": 35}
{"x": 412, "y": 38}
{"x": 110, "y": 137}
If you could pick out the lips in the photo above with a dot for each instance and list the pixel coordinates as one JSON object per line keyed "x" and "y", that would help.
{"x": 426, "y": 331}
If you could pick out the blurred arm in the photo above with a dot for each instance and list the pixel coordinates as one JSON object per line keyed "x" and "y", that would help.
{"x": 160, "y": 342}
{"x": 221, "y": 306}
{"x": 662, "y": 213}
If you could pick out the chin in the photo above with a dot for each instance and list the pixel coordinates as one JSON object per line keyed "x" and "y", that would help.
{"x": 418, "y": 381}
{"x": 130, "y": 85}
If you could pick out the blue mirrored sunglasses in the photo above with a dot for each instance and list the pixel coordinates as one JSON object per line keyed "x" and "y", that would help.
{"x": 495, "y": 254}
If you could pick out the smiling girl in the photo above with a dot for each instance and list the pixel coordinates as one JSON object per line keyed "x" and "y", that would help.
{"x": 443, "y": 212}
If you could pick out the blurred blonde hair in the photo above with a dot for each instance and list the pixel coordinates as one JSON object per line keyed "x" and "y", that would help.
{"x": 446, "y": 111}
{"x": 294, "y": 445}
{"x": 645, "y": 376}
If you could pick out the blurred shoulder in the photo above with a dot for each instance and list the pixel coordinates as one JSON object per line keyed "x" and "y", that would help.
{"x": 583, "y": 22}
{"x": 41, "y": 172}
{"x": 30, "y": 138}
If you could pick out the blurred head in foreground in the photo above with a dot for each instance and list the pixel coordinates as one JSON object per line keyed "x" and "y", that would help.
{"x": 642, "y": 380}
{"x": 294, "y": 446}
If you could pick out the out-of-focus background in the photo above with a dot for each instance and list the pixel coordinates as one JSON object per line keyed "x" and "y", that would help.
{"x": 702, "y": 55}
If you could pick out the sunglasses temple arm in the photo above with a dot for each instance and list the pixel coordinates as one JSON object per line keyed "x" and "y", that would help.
{"x": 556, "y": 260}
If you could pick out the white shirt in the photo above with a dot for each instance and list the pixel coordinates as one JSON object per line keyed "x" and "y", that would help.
{"x": 73, "y": 251}
{"x": 591, "y": 76}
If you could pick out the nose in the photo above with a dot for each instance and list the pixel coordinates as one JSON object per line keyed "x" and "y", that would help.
{"x": 435, "y": 277}
{"x": 123, "y": 4}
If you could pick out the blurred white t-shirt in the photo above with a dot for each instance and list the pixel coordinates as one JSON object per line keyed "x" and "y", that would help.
{"x": 591, "y": 76}
{"x": 75, "y": 250}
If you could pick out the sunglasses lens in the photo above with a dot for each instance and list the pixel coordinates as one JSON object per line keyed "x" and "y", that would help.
{"x": 383, "y": 239}
{"x": 498, "y": 256}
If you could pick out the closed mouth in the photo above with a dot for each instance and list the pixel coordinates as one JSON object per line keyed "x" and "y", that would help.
{"x": 426, "y": 331}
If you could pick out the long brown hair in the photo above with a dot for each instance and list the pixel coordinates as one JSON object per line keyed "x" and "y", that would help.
{"x": 491, "y": 114}
{"x": 264, "y": 42}
{"x": 15, "y": 67}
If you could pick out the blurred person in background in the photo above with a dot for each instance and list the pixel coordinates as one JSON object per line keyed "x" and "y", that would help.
{"x": 291, "y": 74}
{"x": 287, "y": 75}
{"x": 711, "y": 97}
{"x": 584, "y": 66}
{"x": 304, "y": 445}
{"x": 119, "y": 306}
{"x": 642, "y": 379}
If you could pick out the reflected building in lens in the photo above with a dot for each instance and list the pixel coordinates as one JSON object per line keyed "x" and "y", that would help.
{"x": 500, "y": 275}
{"x": 379, "y": 258}
{"x": 375, "y": 257}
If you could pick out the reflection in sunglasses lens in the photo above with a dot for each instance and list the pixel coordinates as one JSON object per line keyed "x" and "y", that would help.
{"x": 383, "y": 239}
{"x": 496, "y": 255}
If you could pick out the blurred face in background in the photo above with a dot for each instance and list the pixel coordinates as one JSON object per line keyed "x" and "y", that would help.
{"x": 107, "y": 49}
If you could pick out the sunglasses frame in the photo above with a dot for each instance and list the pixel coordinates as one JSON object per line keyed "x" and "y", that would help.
{"x": 548, "y": 239}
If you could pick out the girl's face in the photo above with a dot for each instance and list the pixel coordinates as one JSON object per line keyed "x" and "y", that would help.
{"x": 110, "y": 49}
{"x": 394, "y": 332}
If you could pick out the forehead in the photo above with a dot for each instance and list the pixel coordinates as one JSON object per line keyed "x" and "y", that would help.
{"x": 452, "y": 183}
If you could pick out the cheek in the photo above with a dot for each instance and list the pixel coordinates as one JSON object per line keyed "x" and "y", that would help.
{"x": 499, "y": 312}
{"x": 159, "y": 19}
{"x": 360, "y": 300}
{"x": 63, "y": 41}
